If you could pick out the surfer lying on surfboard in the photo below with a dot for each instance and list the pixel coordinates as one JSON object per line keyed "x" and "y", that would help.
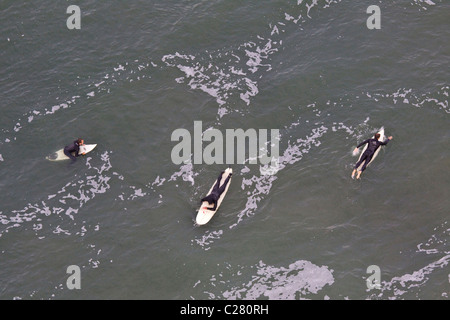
{"x": 372, "y": 146}
{"x": 214, "y": 196}
{"x": 74, "y": 147}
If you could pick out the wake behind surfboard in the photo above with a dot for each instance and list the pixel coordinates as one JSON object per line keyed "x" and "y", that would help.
{"x": 203, "y": 215}
{"x": 59, "y": 155}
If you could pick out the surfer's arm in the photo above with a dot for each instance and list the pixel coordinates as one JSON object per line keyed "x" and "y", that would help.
{"x": 362, "y": 143}
{"x": 386, "y": 141}
{"x": 77, "y": 150}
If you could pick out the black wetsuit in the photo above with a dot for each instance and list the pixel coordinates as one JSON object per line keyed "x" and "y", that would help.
{"x": 214, "y": 196}
{"x": 372, "y": 146}
{"x": 74, "y": 147}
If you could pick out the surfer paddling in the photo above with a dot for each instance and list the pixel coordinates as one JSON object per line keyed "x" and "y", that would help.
{"x": 217, "y": 190}
{"x": 372, "y": 146}
{"x": 74, "y": 147}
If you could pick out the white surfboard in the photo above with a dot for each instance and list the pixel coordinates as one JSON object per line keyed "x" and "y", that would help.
{"x": 203, "y": 216}
{"x": 59, "y": 155}
{"x": 381, "y": 138}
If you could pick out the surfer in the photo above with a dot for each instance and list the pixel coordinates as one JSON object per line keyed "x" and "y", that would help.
{"x": 74, "y": 147}
{"x": 372, "y": 146}
{"x": 214, "y": 196}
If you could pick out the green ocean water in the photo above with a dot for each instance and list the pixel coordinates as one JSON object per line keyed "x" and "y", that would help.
{"x": 138, "y": 70}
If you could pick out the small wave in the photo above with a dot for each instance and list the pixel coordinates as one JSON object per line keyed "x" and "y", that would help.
{"x": 437, "y": 99}
{"x": 65, "y": 203}
{"x": 412, "y": 284}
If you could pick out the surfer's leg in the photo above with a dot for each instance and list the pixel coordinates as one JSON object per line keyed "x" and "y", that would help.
{"x": 217, "y": 185}
{"x": 67, "y": 153}
{"x": 368, "y": 158}
{"x": 363, "y": 157}
{"x": 219, "y": 178}
{"x": 366, "y": 163}
{"x": 222, "y": 188}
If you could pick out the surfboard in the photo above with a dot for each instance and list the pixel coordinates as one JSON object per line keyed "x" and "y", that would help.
{"x": 59, "y": 155}
{"x": 381, "y": 138}
{"x": 203, "y": 216}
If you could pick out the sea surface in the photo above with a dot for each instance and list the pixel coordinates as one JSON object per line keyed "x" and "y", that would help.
{"x": 138, "y": 70}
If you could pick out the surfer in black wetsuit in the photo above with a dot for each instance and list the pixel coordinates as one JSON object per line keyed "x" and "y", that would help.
{"x": 74, "y": 147}
{"x": 214, "y": 196}
{"x": 372, "y": 146}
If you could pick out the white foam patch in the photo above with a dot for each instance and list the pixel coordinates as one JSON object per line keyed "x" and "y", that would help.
{"x": 423, "y": 4}
{"x": 219, "y": 83}
{"x": 224, "y": 74}
{"x": 207, "y": 239}
{"x": 186, "y": 173}
{"x": 253, "y": 91}
{"x": 299, "y": 280}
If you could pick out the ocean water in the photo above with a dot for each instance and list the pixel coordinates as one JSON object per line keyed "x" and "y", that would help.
{"x": 138, "y": 70}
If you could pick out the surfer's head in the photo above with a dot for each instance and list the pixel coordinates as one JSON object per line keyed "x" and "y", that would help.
{"x": 80, "y": 141}
{"x": 377, "y": 136}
